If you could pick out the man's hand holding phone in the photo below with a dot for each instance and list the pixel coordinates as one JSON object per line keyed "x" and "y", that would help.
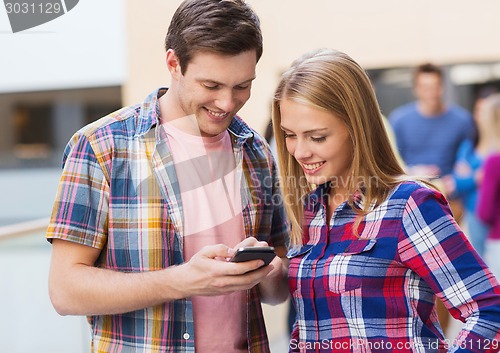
{"x": 273, "y": 286}
{"x": 206, "y": 274}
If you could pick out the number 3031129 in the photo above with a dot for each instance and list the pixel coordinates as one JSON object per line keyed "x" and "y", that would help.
{"x": 32, "y": 8}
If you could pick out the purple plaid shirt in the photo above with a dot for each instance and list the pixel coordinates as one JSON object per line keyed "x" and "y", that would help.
{"x": 119, "y": 193}
{"x": 376, "y": 292}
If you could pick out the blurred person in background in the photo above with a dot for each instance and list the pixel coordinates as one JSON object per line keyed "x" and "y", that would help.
{"x": 429, "y": 131}
{"x": 371, "y": 248}
{"x": 428, "y": 134}
{"x": 466, "y": 178}
{"x": 155, "y": 198}
{"x": 488, "y": 207}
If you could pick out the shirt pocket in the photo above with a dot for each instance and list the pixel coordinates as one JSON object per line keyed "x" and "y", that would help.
{"x": 346, "y": 264}
{"x": 299, "y": 268}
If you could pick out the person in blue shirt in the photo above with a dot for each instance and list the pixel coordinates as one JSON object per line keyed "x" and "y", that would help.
{"x": 428, "y": 131}
{"x": 428, "y": 134}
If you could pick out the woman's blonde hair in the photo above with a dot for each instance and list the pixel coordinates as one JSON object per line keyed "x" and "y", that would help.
{"x": 490, "y": 121}
{"x": 330, "y": 80}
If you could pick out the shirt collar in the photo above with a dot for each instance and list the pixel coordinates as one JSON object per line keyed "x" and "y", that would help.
{"x": 359, "y": 200}
{"x": 240, "y": 132}
{"x": 322, "y": 191}
{"x": 149, "y": 113}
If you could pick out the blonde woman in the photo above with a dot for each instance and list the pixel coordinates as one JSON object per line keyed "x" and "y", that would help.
{"x": 488, "y": 207}
{"x": 371, "y": 249}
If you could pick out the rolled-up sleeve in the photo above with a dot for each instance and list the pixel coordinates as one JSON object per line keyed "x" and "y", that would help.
{"x": 80, "y": 212}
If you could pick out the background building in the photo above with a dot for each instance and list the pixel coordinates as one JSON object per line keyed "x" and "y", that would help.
{"x": 102, "y": 55}
{"x": 59, "y": 76}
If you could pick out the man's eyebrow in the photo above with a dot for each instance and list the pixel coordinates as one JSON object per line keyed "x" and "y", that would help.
{"x": 221, "y": 84}
{"x": 248, "y": 81}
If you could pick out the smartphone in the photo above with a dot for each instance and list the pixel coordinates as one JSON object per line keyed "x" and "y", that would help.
{"x": 265, "y": 253}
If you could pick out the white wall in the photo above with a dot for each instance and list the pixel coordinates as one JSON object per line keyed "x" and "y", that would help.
{"x": 83, "y": 48}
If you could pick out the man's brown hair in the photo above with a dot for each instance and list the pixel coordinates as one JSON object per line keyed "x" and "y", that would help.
{"x": 427, "y": 68}
{"x": 228, "y": 27}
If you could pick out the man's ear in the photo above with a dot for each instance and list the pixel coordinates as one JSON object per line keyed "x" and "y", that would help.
{"x": 173, "y": 64}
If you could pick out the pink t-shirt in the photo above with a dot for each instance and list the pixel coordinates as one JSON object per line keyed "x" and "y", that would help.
{"x": 211, "y": 202}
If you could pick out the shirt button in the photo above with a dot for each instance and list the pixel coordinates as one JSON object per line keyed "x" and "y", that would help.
{"x": 186, "y": 336}
{"x": 347, "y": 250}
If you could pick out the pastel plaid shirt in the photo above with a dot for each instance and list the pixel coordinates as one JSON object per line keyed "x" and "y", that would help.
{"x": 376, "y": 292}
{"x": 119, "y": 193}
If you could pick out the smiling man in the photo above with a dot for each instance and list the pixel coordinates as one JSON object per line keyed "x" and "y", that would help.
{"x": 155, "y": 197}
